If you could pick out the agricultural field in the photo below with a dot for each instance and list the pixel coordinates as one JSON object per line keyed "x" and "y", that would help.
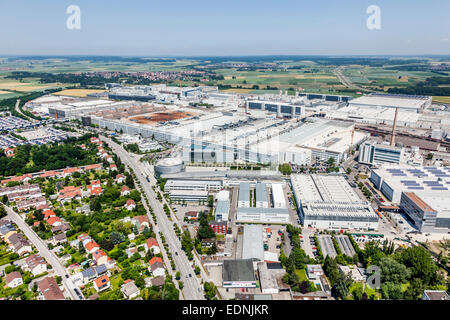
{"x": 240, "y": 74}
{"x": 8, "y": 86}
{"x": 445, "y": 100}
{"x": 77, "y": 92}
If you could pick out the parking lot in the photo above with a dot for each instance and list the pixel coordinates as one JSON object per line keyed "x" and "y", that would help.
{"x": 327, "y": 246}
{"x": 180, "y": 210}
{"x": 345, "y": 245}
{"x": 307, "y": 242}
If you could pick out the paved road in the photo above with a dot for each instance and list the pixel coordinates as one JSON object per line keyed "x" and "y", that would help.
{"x": 344, "y": 80}
{"x": 192, "y": 288}
{"x": 148, "y": 171}
{"x": 44, "y": 252}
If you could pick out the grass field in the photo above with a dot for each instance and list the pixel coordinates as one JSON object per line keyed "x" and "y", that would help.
{"x": 77, "y": 92}
{"x": 237, "y": 90}
{"x": 441, "y": 99}
{"x": 15, "y": 85}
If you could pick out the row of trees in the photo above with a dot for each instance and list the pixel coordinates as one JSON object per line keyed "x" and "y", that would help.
{"x": 29, "y": 158}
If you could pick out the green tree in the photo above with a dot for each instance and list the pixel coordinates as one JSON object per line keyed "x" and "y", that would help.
{"x": 390, "y": 290}
{"x": 341, "y": 286}
{"x": 420, "y": 263}
{"x": 393, "y": 271}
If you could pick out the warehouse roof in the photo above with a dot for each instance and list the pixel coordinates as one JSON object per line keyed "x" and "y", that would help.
{"x": 244, "y": 191}
{"x": 253, "y": 242}
{"x": 223, "y": 207}
{"x": 238, "y": 270}
{"x": 261, "y": 192}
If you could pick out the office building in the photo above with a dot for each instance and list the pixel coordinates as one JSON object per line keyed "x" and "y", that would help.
{"x": 429, "y": 211}
{"x": 244, "y": 195}
{"x": 328, "y": 202}
{"x": 393, "y": 180}
{"x": 373, "y": 153}
{"x": 278, "y": 198}
{"x": 188, "y": 195}
{"x": 261, "y": 195}
{"x": 262, "y": 215}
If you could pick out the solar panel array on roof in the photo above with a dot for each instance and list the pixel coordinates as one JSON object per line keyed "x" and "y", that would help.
{"x": 399, "y": 174}
{"x": 408, "y": 182}
{"x": 439, "y": 188}
{"x": 415, "y": 188}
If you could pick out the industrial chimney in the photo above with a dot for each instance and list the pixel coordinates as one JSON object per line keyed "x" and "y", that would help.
{"x": 394, "y": 125}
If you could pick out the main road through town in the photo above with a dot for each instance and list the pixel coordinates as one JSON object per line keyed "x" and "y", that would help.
{"x": 192, "y": 289}
{"x": 46, "y": 253}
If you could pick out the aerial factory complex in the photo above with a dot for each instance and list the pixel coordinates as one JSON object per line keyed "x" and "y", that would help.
{"x": 169, "y": 191}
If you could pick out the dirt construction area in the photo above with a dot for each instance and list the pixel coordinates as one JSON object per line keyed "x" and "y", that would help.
{"x": 156, "y": 117}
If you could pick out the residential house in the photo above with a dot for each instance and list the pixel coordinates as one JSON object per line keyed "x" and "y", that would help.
{"x": 109, "y": 158}
{"x": 13, "y": 279}
{"x": 141, "y": 222}
{"x": 113, "y": 167}
{"x": 91, "y": 246}
{"x": 94, "y": 191}
{"x": 9, "y": 152}
{"x": 130, "y": 205}
{"x": 48, "y": 214}
{"x": 129, "y": 289}
{"x": 19, "y": 244}
{"x": 54, "y": 221}
{"x": 49, "y": 289}
{"x": 91, "y": 273}
{"x": 7, "y": 230}
{"x": 49, "y": 174}
{"x": 36, "y": 264}
{"x": 125, "y": 191}
{"x": 30, "y": 203}
{"x": 69, "y": 193}
{"x": 24, "y": 178}
{"x": 96, "y": 166}
{"x": 59, "y": 238}
{"x": 64, "y": 227}
{"x": 156, "y": 267}
{"x": 100, "y": 257}
{"x": 120, "y": 178}
{"x": 158, "y": 281}
{"x": 96, "y": 184}
{"x": 102, "y": 283}
{"x": 152, "y": 245}
{"x": 69, "y": 171}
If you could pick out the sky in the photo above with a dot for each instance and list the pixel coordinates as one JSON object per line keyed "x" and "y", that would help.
{"x": 222, "y": 28}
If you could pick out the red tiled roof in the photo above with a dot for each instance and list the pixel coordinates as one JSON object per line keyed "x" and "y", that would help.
{"x": 49, "y": 213}
{"x": 99, "y": 282}
{"x": 98, "y": 254}
{"x": 152, "y": 242}
{"x": 53, "y": 220}
{"x": 91, "y": 245}
{"x": 71, "y": 170}
{"x": 93, "y": 166}
{"x": 47, "y": 174}
{"x": 154, "y": 260}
